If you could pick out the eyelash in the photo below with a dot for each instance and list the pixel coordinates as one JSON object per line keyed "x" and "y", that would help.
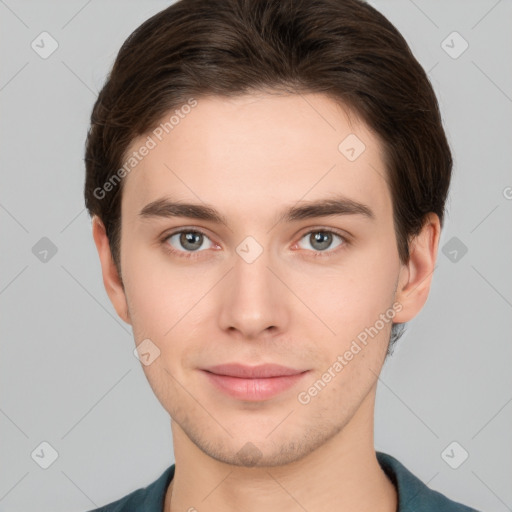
{"x": 195, "y": 254}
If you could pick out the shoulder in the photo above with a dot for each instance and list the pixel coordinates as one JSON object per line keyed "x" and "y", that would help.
{"x": 413, "y": 494}
{"x": 131, "y": 501}
{"x": 149, "y": 498}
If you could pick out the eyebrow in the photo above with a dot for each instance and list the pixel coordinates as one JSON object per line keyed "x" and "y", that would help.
{"x": 165, "y": 208}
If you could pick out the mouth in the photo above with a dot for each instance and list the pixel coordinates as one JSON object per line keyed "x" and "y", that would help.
{"x": 253, "y": 383}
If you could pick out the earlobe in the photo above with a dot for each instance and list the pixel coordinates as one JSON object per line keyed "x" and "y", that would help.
{"x": 416, "y": 276}
{"x": 111, "y": 279}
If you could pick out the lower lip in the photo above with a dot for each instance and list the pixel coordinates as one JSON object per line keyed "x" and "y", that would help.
{"x": 253, "y": 389}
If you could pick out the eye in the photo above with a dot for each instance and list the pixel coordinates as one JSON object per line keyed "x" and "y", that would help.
{"x": 186, "y": 241}
{"x": 319, "y": 240}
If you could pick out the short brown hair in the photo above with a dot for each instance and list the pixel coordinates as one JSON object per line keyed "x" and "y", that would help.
{"x": 345, "y": 49}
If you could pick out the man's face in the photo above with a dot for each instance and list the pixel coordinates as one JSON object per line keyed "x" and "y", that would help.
{"x": 255, "y": 290}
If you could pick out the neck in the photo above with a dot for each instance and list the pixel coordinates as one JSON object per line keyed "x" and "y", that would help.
{"x": 342, "y": 474}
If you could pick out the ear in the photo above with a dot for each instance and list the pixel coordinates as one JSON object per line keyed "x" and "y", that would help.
{"x": 111, "y": 280}
{"x": 416, "y": 276}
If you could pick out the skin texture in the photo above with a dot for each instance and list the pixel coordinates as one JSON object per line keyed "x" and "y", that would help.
{"x": 250, "y": 157}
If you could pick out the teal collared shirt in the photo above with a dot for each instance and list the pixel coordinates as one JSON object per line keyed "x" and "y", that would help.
{"x": 413, "y": 494}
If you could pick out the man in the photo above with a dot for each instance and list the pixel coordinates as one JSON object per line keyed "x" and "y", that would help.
{"x": 267, "y": 184}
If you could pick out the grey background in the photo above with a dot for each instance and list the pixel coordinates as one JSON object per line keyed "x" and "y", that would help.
{"x": 68, "y": 375}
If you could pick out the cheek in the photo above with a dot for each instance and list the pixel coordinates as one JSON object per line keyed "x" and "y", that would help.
{"x": 166, "y": 305}
{"x": 355, "y": 294}
{"x": 356, "y": 304}
{"x": 158, "y": 293}
{"x": 161, "y": 302}
{"x": 150, "y": 307}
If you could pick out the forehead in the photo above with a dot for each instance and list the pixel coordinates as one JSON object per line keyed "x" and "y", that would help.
{"x": 251, "y": 154}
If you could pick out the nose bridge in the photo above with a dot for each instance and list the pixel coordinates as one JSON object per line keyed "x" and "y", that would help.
{"x": 253, "y": 277}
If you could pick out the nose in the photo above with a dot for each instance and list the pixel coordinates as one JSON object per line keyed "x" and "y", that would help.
{"x": 253, "y": 299}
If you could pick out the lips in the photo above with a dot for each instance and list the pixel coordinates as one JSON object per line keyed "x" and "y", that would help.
{"x": 253, "y": 372}
{"x": 253, "y": 383}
